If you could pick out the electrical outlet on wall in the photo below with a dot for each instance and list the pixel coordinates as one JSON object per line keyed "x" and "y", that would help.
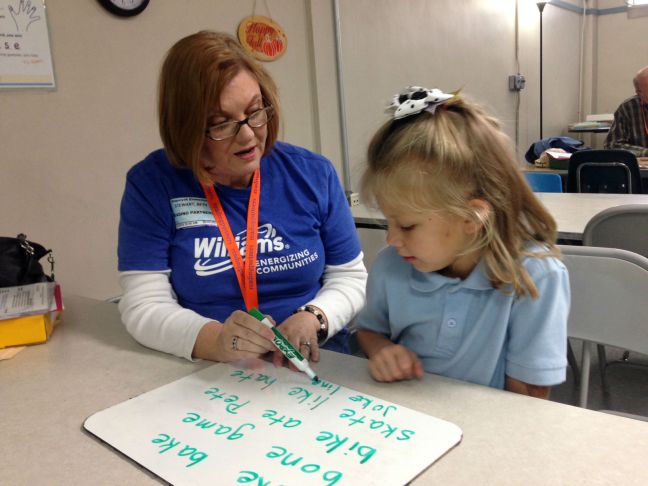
{"x": 354, "y": 199}
{"x": 516, "y": 82}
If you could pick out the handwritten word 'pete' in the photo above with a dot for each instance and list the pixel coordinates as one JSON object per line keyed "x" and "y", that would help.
{"x": 231, "y": 400}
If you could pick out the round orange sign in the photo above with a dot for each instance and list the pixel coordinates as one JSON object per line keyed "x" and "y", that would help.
{"x": 262, "y": 37}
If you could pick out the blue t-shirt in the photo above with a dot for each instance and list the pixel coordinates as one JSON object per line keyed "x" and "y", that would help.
{"x": 304, "y": 224}
{"x": 468, "y": 330}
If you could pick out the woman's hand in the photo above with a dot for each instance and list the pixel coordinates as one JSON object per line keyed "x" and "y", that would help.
{"x": 241, "y": 336}
{"x": 301, "y": 330}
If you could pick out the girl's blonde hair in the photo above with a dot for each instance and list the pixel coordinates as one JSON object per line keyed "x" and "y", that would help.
{"x": 193, "y": 75}
{"x": 444, "y": 160}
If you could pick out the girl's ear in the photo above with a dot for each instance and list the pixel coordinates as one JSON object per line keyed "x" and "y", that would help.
{"x": 482, "y": 211}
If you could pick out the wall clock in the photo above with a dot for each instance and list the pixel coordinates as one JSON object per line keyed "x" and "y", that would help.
{"x": 124, "y": 8}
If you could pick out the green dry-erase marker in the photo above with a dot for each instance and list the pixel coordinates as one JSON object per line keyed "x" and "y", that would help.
{"x": 284, "y": 346}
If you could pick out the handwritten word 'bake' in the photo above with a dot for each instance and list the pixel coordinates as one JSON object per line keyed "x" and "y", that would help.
{"x": 232, "y": 407}
{"x": 230, "y": 432}
{"x": 333, "y": 441}
{"x": 166, "y": 443}
{"x": 383, "y": 427}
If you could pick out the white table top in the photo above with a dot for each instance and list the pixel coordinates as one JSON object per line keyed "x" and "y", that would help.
{"x": 91, "y": 363}
{"x": 572, "y": 211}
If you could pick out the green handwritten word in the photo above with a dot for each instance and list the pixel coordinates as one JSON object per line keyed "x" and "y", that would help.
{"x": 166, "y": 443}
{"x": 302, "y": 394}
{"x": 379, "y": 407}
{"x": 231, "y": 433}
{"x": 383, "y": 427}
{"x": 287, "y": 459}
{"x": 232, "y": 407}
{"x": 258, "y": 377}
{"x": 364, "y": 451}
{"x": 249, "y": 476}
{"x": 328, "y": 386}
{"x": 272, "y": 417}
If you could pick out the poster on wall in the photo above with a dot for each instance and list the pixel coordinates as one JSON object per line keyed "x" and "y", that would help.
{"x": 25, "y": 56}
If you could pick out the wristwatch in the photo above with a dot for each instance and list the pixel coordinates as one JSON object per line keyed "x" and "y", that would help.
{"x": 322, "y": 332}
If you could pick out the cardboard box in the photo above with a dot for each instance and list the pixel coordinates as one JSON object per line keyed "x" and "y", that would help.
{"x": 28, "y": 329}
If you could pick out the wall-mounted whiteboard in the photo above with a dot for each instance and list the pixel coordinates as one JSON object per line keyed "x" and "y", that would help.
{"x": 25, "y": 56}
{"x": 272, "y": 426}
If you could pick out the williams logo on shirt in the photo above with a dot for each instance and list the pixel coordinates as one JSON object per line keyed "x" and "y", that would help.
{"x": 212, "y": 257}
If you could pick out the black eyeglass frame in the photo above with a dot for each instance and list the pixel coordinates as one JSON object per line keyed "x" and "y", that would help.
{"x": 269, "y": 109}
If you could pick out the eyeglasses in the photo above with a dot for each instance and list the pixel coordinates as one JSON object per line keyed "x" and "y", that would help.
{"x": 226, "y": 130}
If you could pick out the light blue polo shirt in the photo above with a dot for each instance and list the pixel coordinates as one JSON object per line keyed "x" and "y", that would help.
{"x": 468, "y": 330}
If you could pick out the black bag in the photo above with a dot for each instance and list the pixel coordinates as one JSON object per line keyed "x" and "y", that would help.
{"x": 19, "y": 262}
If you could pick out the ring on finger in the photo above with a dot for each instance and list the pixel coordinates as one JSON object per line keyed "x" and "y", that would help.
{"x": 235, "y": 343}
{"x": 306, "y": 343}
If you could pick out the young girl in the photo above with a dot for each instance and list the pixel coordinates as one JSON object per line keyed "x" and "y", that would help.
{"x": 470, "y": 286}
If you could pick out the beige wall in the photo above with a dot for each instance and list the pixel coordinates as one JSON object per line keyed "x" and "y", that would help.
{"x": 621, "y": 50}
{"x": 65, "y": 152}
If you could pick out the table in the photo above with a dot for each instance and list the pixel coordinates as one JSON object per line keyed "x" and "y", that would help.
{"x": 91, "y": 363}
{"x": 643, "y": 171}
{"x": 572, "y": 211}
{"x": 589, "y": 130}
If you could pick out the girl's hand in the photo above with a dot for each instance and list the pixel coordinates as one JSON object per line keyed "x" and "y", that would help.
{"x": 241, "y": 336}
{"x": 395, "y": 362}
{"x": 301, "y": 330}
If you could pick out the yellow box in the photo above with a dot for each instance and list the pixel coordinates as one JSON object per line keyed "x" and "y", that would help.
{"x": 28, "y": 329}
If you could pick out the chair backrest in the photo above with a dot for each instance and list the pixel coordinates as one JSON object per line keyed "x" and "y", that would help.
{"x": 624, "y": 227}
{"x": 612, "y": 171}
{"x": 609, "y": 296}
{"x": 544, "y": 182}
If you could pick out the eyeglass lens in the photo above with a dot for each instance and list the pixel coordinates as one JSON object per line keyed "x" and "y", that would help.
{"x": 230, "y": 129}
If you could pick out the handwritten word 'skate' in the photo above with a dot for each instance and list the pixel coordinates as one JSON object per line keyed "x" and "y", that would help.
{"x": 219, "y": 429}
{"x": 383, "y": 427}
{"x": 166, "y": 442}
{"x": 231, "y": 400}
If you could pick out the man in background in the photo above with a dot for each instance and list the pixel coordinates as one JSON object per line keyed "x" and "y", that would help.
{"x": 629, "y": 131}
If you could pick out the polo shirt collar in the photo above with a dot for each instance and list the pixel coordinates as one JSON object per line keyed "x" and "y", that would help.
{"x": 431, "y": 281}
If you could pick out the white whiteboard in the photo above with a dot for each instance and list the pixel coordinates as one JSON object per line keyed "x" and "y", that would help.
{"x": 271, "y": 426}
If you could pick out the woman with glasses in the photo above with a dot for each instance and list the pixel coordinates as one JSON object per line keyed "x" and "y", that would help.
{"x": 226, "y": 218}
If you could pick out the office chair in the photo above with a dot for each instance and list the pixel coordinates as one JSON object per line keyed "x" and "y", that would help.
{"x": 544, "y": 181}
{"x": 608, "y": 302}
{"x": 610, "y": 171}
{"x": 624, "y": 227}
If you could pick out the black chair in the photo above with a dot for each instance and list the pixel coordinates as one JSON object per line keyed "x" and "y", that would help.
{"x": 611, "y": 171}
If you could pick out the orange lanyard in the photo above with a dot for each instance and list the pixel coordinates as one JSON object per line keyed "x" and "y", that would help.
{"x": 245, "y": 269}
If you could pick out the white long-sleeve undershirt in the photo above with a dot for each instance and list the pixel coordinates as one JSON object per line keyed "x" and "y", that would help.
{"x": 152, "y": 315}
